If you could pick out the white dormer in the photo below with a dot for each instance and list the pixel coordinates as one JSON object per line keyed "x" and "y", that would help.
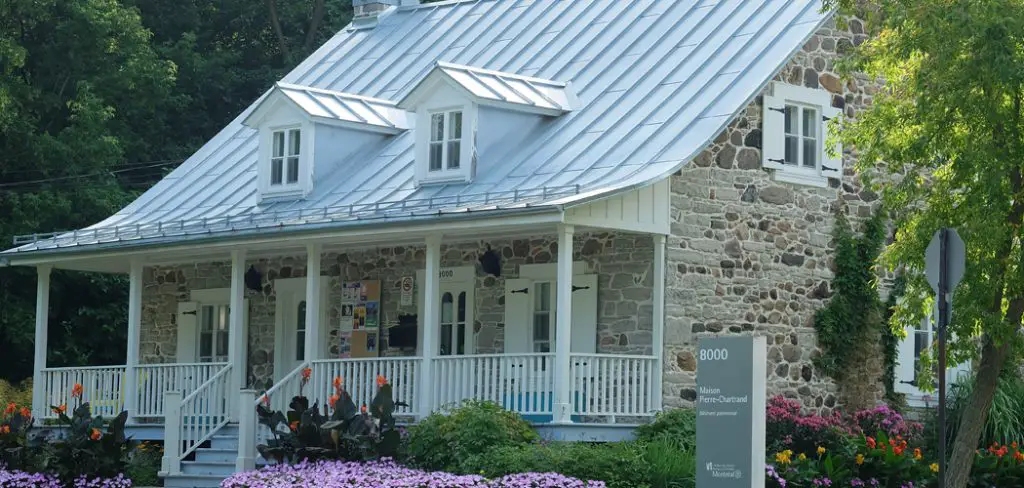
{"x": 293, "y": 121}
{"x": 447, "y": 104}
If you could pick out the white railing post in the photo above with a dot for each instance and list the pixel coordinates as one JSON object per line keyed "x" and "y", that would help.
{"x": 563, "y": 323}
{"x": 429, "y": 322}
{"x": 131, "y": 383}
{"x": 171, "y": 462}
{"x": 658, "y": 323}
{"x": 39, "y": 407}
{"x": 246, "y": 431}
{"x": 237, "y": 333}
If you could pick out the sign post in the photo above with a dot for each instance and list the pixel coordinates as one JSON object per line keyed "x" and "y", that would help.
{"x": 945, "y": 260}
{"x": 731, "y": 402}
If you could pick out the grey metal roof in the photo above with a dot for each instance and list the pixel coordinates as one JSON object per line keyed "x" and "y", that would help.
{"x": 329, "y": 105}
{"x": 501, "y": 89}
{"x": 656, "y": 81}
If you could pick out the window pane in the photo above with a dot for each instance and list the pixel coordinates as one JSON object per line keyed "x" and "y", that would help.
{"x": 435, "y": 155}
{"x": 542, "y": 297}
{"x": 222, "y": 317}
{"x": 446, "y": 308}
{"x": 792, "y": 149}
{"x": 460, "y": 339}
{"x": 455, "y": 122}
{"x": 446, "y": 339}
{"x": 437, "y": 127}
{"x": 294, "y": 142}
{"x": 293, "y": 170}
{"x": 810, "y": 153}
{"x": 205, "y": 344}
{"x": 300, "y": 346}
{"x": 454, "y": 154}
{"x": 275, "y": 171}
{"x": 462, "y": 307}
{"x": 222, "y": 344}
{"x": 541, "y": 326}
{"x": 810, "y": 122}
{"x": 278, "y": 144}
{"x": 300, "y": 322}
{"x": 207, "y": 322}
{"x": 791, "y": 115}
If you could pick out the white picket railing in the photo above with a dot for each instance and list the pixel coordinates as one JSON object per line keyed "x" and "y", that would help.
{"x": 194, "y": 419}
{"x": 102, "y": 387}
{"x": 613, "y": 385}
{"x": 359, "y": 377}
{"x": 156, "y": 379}
{"x": 520, "y": 382}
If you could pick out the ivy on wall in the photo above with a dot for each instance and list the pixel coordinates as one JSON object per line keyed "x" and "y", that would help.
{"x": 855, "y": 310}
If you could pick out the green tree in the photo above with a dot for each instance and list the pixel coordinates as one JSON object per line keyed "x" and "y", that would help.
{"x": 945, "y": 135}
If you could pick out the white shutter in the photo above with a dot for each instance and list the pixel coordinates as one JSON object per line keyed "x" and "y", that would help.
{"x": 188, "y": 324}
{"x": 584, "y": 314}
{"x": 904, "y": 372}
{"x": 773, "y": 123}
{"x": 518, "y": 308}
{"x": 828, "y": 162}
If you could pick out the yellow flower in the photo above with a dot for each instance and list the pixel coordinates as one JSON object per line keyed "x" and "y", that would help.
{"x": 802, "y": 457}
{"x": 860, "y": 459}
{"x": 821, "y": 451}
{"x": 784, "y": 457}
{"x": 935, "y": 467}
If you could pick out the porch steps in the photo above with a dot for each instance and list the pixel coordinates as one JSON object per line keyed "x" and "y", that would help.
{"x": 212, "y": 463}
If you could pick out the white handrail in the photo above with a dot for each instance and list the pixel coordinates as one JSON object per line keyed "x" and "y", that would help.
{"x": 523, "y": 383}
{"x": 611, "y": 385}
{"x": 102, "y": 387}
{"x": 154, "y": 380}
{"x": 359, "y": 378}
{"x": 290, "y": 382}
{"x": 203, "y": 412}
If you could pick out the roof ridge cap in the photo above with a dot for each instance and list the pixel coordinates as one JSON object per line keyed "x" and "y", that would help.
{"x": 281, "y": 84}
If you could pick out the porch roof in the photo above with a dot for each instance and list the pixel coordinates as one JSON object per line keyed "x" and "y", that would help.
{"x": 656, "y": 81}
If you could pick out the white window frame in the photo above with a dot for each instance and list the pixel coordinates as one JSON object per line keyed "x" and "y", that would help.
{"x": 288, "y": 138}
{"x": 448, "y": 138}
{"x": 446, "y": 101}
{"x": 906, "y": 368}
{"x": 551, "y": 312}
{"x": 303, "y": 183}
{"x": 214, "y": 297}
{"x": 775, "y": 104}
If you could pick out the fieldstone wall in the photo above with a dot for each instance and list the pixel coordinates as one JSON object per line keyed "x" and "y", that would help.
{"x": 623, "y": 263}
{"x": 749, "y": 255}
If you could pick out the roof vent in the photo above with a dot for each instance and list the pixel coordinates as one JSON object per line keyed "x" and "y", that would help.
{"x": 366, "y": 12}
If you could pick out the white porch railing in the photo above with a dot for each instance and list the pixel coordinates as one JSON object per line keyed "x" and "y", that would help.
{"x": 613, "y": 385}
{"x": 360, "y": 380}
{"x": 156, "y": 379}
{"x": 194, "y": 419}
{"x": 102, "y": 387}
{"x": 520, "y": 382}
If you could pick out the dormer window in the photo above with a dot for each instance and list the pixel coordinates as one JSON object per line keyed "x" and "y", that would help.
{"x": 445, "y": 140}
{"x": 284, "y": 161}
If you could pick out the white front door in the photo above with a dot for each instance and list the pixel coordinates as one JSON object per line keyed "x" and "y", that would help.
{"x": 291, "y": 312}
{"x": 455, "y": 334}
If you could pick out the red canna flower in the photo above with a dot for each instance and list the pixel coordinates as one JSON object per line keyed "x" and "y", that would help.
{"x": 871, "y": 442}
{"x": 337, "y": 382}
{"x": 60, "y": 410}
{"x": 1019, "y": 456}
{"x": 333, "y": 400}
{"x": 294, "y": 426}
{"x": 95, "y": 435}
{"x": 76, "y": 391}
{"x": 25, "y": 412}
{"x": 362, "y": 408}
{"x": 266, "y": 400}
{"x": 306, "y": 373}
{"x": 11, "y": 407}
{"x": 381, "y": 381}
{"x": 5, "y": 429}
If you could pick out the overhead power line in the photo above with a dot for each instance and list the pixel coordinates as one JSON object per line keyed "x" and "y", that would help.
{"x": 41, "y": 181}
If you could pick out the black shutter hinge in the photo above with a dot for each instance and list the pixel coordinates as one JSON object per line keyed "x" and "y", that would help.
{"x": 829, "y": 168}
{"x": 522, "y": 290}
{"x": 779, "y": 110}
{"x": 578, "y": 288}
{"x": 190, "y": 312}
{"x": 780, "y": 161}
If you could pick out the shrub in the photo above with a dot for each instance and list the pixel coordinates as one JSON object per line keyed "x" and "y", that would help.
{"x": 17, "y": 393}
{"x": 15, "y": 423}
{"x": 669, "y": 467}
{"x": 144, "y": 463}
{"x": 1005, "y": 421}
{"x": 789, "y": 429}
{"x": 620, "y": 464}
{"x": 452, "y": 442}
{"x": 678, "y": 426}
{"x": 886, "y": 420}
{"x": 88, "y": 450}
{"x": 387, "y": 474}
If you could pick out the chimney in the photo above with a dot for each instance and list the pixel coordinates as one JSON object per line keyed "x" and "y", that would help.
{"x": 366, "y": 12}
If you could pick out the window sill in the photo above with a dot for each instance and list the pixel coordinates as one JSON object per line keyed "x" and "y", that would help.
{"x": 800, "y": 178}
{"x": 445, "y": 177}
{"x": 289, "y": 193}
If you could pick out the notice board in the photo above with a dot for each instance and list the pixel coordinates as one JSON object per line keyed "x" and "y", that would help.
{"x": 360, "y": 318}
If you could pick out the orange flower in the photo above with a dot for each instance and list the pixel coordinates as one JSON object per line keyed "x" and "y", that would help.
{"x": 898, "y": 450}
{"x": 294, "y": 426}
{"x": 871, "y": 442}
{"x": 1013, "y": 444}
{"x": 95, "y": 435}
{"x": 60, "y": 410}
{"x": 11, "y": 407}
{"x": 5, "y": 429}
{"x": 306, "y": 373}
{"x": 362, "y": 408}
{"x": 333, "y": 400}
{"x": 337, "y": 382}
{"x": 76, "y": 391}
{"x": 381, "y": 381}
{"x": 1018, "y": 456}
{"x": 266, "y": 400}
{"x": 917, "y": 454}
{"x": 25, "y": 412}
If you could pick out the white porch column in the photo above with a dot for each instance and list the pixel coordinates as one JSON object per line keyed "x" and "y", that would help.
{"x": 430, "y": 323}
{"x": 563, "y": 324}
{"x": 658, "y": 322}
{"x": 134, "y": 330}
{"x": 312, "y": 346}
{"x": 237, "y": 333}
{"x": 39, "y": 406}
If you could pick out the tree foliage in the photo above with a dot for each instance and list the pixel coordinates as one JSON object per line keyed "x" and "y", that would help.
{"x": 98, "y": 100}
{"x": 946, "y": 135}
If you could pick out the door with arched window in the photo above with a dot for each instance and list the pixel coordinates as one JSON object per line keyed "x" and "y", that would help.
{"x": 292, "y": 323}
{"x": 455, "y": 335}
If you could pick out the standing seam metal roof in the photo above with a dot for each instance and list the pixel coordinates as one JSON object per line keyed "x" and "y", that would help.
{"x": 656, "y": 81}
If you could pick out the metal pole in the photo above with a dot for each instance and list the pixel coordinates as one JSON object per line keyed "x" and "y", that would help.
{"x": 943, "y": 297}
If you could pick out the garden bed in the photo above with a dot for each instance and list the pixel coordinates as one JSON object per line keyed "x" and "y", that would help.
{"x": 387, "y": 474}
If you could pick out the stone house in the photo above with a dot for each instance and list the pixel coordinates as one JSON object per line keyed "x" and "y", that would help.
{"x": 543, "y": 203}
